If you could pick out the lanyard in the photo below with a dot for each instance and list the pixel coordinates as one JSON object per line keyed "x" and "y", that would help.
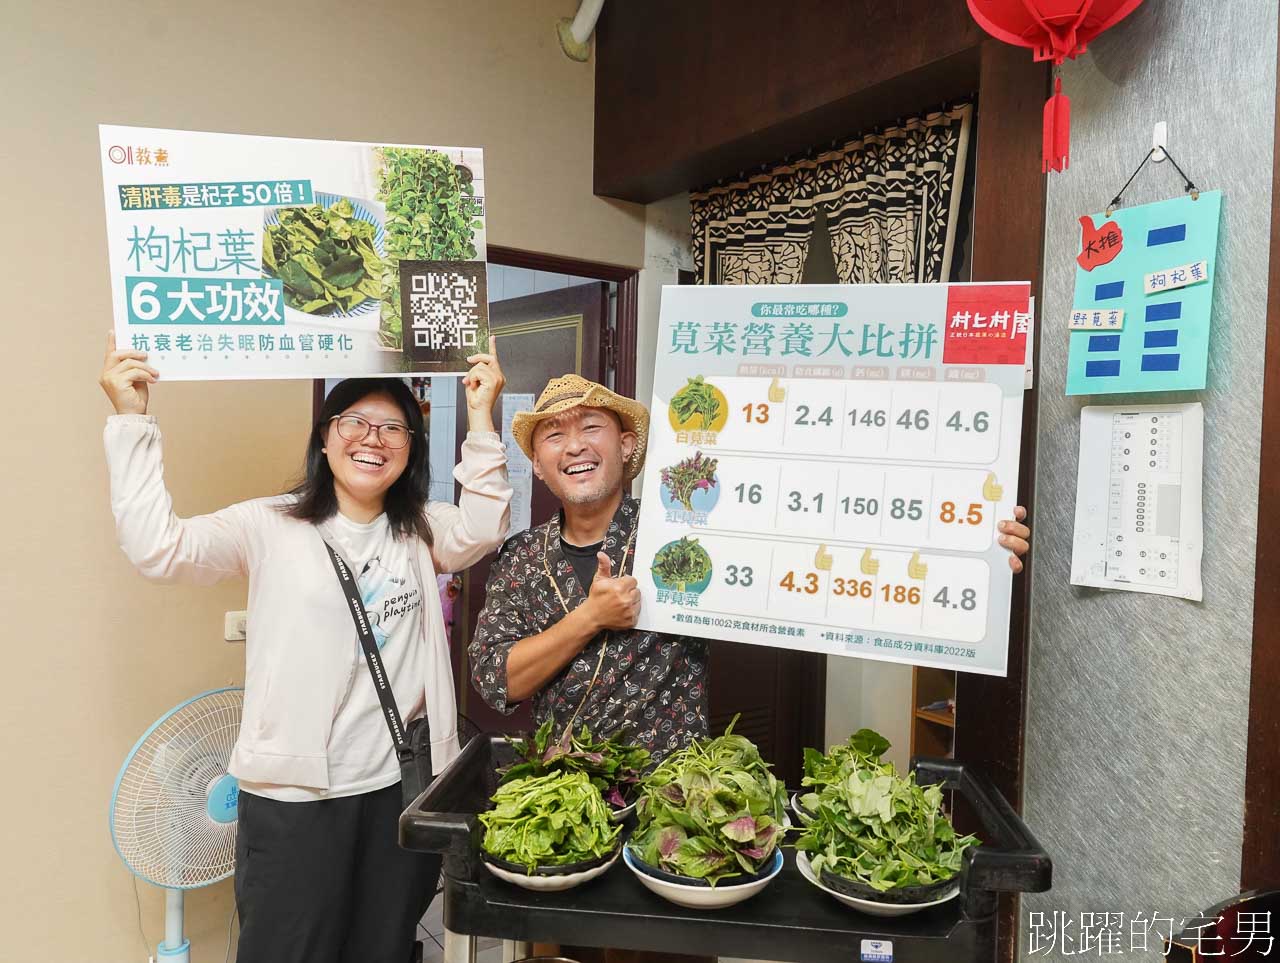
{"x": 381, "y": 683}
{"x": 604, "y": 646}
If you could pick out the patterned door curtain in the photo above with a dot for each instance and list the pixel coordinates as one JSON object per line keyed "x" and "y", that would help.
{"x": 891, "y": 198}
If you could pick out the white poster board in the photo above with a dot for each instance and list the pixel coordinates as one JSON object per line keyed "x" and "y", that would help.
{"x": 1139, "y": 518}
{"x": 268, "y": 257}
{"x": 826, "y": 466}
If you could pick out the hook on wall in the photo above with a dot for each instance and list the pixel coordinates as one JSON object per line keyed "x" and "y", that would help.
{"x": 1159, "y": 139}
{"x": 1159, "y": 152}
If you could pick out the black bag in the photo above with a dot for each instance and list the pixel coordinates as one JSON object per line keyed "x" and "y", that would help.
{"x": 413, "y": 745}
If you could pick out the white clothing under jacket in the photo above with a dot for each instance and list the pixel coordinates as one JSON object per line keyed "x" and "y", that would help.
{"x": 298, "y": 647}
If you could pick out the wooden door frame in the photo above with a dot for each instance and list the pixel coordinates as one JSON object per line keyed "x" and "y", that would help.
{"x": 1008, "y": 244}
{"x": 580, "y": 311}
{"x": 1260, "y": 856}
{"x": 618, "y": 347}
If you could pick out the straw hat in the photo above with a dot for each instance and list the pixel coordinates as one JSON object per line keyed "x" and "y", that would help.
{"x": 570, "y": 391}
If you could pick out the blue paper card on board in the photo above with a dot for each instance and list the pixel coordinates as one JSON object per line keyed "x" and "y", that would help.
{"x": 1156, "y": 264}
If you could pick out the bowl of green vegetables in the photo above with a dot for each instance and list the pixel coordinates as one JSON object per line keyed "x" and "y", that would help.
{"x": 876, "y": 841}
{"x": 822, "y": 768}
{"x": 615, "y": 767}
{"x": 549, "y": 833}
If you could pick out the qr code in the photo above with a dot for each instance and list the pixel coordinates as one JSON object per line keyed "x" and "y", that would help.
{"x": 444, "y": 310}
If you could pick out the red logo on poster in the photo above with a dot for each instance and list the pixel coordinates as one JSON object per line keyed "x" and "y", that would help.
{"x": 1098, "y": 245}
{"x": 987, "y": 324}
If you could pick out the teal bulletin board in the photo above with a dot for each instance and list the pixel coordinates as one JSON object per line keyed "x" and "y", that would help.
{"x": 1156, "y": 263}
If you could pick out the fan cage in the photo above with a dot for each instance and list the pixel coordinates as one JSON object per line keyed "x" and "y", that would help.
{"x": 160, "y": 811}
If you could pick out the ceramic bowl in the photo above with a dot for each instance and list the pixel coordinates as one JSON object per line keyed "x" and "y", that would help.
{"x": 620, "y": 815}
{"x": 802, "y": 814}
{"x": 550, "y": 879}
{"x": 875, "y": 907}
{"x": 695, "y": 893}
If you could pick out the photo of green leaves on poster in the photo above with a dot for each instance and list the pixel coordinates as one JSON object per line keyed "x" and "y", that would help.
{"x": 343, "y": 257}
{"x": 431, "y": 215}
{"x": 327, "y": 256}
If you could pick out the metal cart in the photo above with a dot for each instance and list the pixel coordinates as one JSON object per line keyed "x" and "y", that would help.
{"x": 790, "y": 920}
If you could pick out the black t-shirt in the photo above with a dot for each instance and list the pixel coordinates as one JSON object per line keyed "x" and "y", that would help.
{"x": 584, "y": 561}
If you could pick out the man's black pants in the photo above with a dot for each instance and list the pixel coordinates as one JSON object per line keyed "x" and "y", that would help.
{"x": 327, "y": 882}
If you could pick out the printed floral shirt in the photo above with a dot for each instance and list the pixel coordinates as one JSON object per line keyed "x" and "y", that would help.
{"x": 652, "y": 687}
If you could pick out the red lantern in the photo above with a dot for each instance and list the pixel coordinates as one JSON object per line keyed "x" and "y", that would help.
{"x": 1055, "y": 30}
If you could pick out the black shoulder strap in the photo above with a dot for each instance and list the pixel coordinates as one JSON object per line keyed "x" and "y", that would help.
{"x": 370, "y": 645}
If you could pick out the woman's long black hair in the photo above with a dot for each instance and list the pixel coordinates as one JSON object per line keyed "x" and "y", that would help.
{"x": 406, "y": 500}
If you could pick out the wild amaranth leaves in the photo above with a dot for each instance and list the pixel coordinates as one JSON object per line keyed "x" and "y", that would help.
{"x": 681, "y": 564}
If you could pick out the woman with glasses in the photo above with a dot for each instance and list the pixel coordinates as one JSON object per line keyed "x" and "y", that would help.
{"x": 319, "y": 874}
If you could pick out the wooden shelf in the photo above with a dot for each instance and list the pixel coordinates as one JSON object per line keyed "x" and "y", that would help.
{"x": 932, "y": 731}
{"x": 940, "y": 718}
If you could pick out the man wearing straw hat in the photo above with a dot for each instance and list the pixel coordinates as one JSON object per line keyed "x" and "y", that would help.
{"x": 558, "y": 625}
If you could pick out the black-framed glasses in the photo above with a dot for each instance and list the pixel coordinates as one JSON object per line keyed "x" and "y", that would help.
{"x": 392, "y": 434}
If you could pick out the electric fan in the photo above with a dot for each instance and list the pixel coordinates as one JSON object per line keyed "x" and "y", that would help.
{"x": 173, "y": 808}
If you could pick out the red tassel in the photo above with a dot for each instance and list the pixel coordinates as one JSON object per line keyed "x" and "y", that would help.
{"x": 1057, "y": 130}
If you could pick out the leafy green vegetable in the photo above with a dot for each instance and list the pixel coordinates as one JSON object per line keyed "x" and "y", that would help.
{"x": 549, "y": 820}
{"x": 819, "y": 769}
{"x": 697, "y": 397}
{"x": 613, "y": 767}
{"x": 691, "y": 475}
{"x": 711, "y": 811}
{"x": 324, "y": 257}
{"x": 871, "y": 825}
{"x": 431, "y": 216}
{"x": 682, "y": 563}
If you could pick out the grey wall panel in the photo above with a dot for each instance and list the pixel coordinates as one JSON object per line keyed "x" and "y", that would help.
{"x": 1137, "y": 706}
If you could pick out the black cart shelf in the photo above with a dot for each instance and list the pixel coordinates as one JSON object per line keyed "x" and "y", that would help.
{"x": 790, "y": 920}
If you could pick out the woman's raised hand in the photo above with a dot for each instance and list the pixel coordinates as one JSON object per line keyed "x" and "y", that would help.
{"x": 483, "y": 385}
{"x": 125, "y": 379}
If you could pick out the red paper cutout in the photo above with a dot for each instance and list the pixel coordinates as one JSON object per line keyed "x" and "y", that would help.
{"x": 1057, "y": 131}
{"x": 1098, "y": 245}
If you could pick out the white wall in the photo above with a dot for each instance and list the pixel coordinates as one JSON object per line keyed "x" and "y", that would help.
{"x": 862, "y": 693}
{"x": 666, "y": 253}
{"x": 94, "y": 653}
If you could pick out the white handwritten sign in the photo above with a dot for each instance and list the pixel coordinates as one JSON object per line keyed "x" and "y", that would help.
{"x": 1088, "y": 319}
{"x": 1170, "y": 279}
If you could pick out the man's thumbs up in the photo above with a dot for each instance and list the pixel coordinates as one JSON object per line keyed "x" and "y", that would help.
{"x": 614, "y": 603}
